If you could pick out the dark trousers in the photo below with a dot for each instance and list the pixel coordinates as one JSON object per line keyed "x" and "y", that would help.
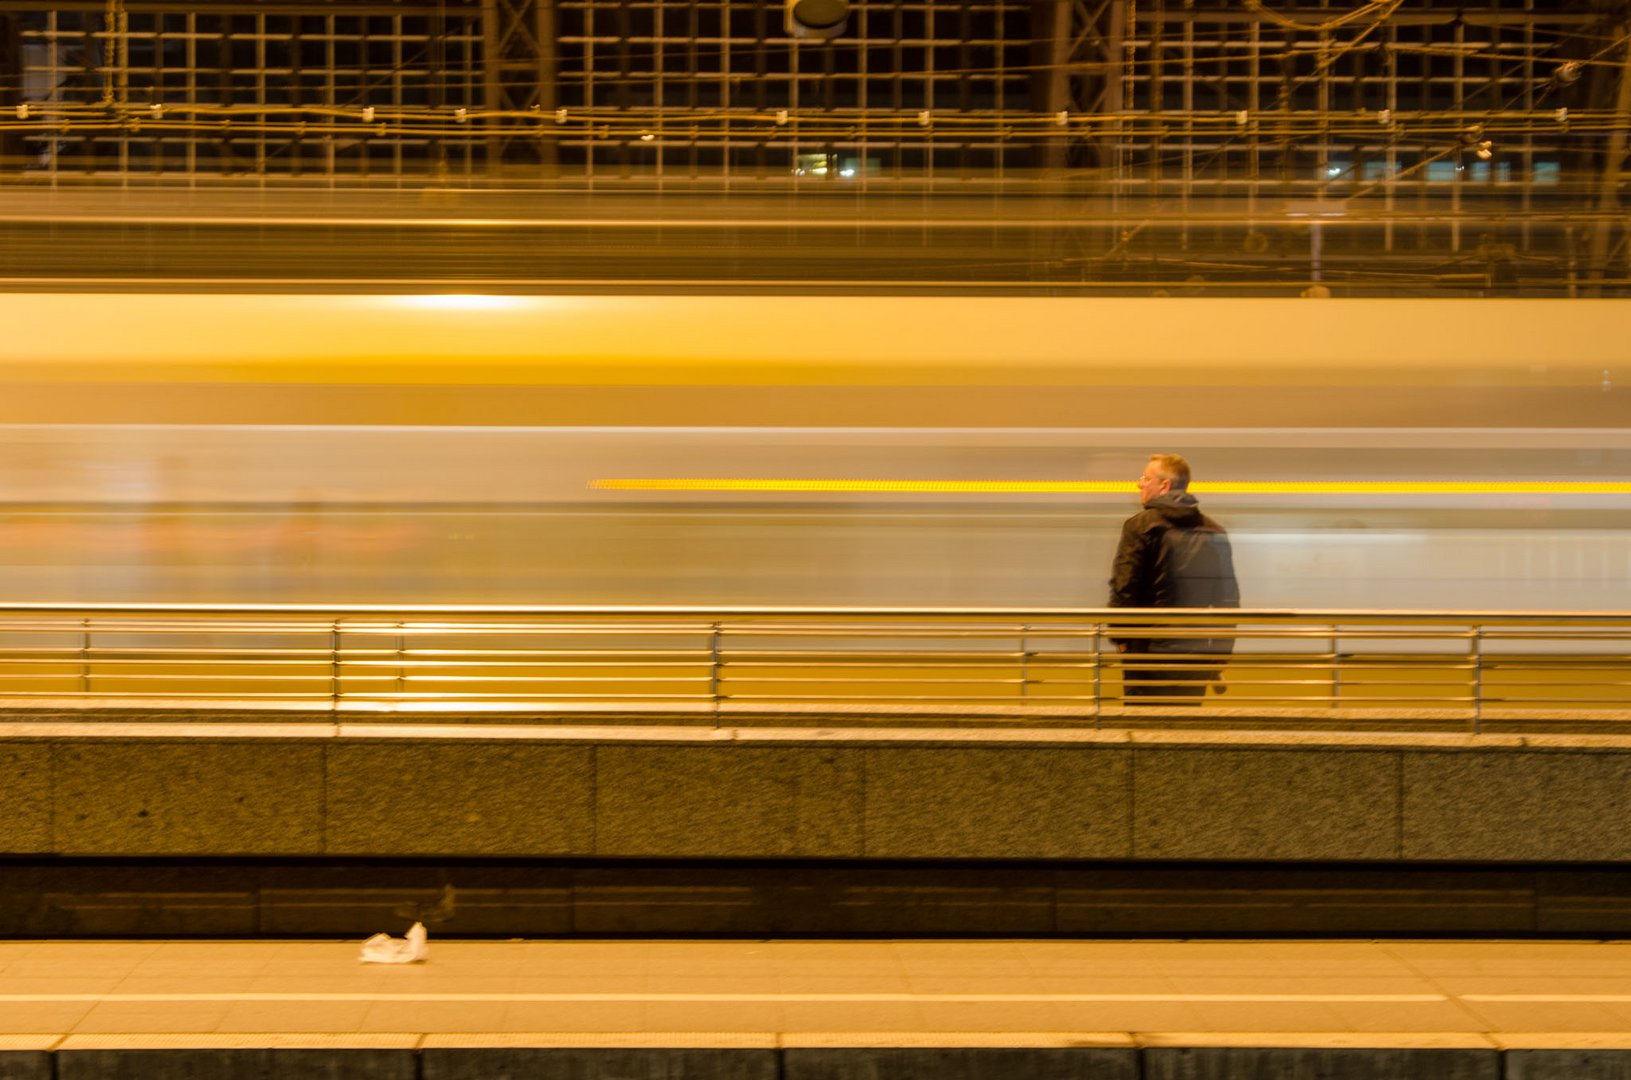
{"x": 1168, "y": 679}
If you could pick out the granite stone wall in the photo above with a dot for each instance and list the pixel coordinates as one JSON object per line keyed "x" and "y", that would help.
{"x": 460, "y": 791}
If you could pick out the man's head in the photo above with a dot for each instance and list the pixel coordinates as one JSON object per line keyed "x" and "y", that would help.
{"x": 1163, "y": 473}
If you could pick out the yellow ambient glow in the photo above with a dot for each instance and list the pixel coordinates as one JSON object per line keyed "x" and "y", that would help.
{"x": 1117, "y": 487}
{"x": 456, "y": 301}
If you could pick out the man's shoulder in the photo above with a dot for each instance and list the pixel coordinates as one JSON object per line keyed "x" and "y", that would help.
{"x": 1145, "y": 519}
{"x": 1142, "y": 526}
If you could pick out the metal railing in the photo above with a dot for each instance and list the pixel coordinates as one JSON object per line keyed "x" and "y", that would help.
{"x": 881, "y": 662}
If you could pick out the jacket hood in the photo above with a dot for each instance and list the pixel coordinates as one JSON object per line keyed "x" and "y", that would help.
{"x": 1178, "y": 507}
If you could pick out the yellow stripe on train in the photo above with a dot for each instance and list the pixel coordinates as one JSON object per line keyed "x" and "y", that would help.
{"x": 1115, "y": 487}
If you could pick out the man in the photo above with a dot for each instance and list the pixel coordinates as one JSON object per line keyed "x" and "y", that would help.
{"x": 1171, "y": 555}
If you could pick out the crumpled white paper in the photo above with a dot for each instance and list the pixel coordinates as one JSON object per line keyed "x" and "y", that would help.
{"x": 385, "y": 949}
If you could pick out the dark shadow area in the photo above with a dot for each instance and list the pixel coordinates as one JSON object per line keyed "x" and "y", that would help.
{"x": 206, "y": 898}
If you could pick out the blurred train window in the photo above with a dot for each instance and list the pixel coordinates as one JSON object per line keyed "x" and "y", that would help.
{"x": 812, "y": 164}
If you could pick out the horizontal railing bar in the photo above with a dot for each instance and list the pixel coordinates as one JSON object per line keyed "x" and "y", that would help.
{"x": 429, "y": 695}
{"x": 583, "y": 629}
{"x": 776, "y": 611}
{"x": 179, "y": 655}
{"x": 486, "y": 663}
{"x": 1197, "y": 628}
{"x": 511, "y": 679}
{"x": 867, "y": 657}
{"x": 169, "y": 696}
{"x": 563, "y": 653}
{"x": 518, "y": 657}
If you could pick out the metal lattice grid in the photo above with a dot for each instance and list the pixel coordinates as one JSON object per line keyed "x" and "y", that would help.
{"x": 1183, "y": 62}
{"x": 1464, "y": 138}
{"x": 165, "y": 61}
{"x": 1223, "y": 66}
{"x": 672, "y": 62}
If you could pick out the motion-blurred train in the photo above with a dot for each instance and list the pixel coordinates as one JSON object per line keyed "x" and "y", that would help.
{"x": 900, "y": 451}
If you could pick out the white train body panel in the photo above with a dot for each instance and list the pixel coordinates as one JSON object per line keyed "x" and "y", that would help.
{"x": 902, "y": 451}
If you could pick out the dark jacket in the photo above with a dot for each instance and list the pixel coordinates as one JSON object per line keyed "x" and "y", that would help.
{"x": 1172, "y": 555}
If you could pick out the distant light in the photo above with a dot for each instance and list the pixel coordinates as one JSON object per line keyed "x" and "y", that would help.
{"x": 1334, "y": 170}
{"x": 647, "y": 137}
{"x": 846, "y": 172}
{"x": 1314, "y": 208}
{"x": 819, "y": 20}
{"x": 458, "y": 301}
{"x": 820, "y": 170}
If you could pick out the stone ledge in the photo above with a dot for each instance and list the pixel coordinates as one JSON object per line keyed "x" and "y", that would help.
{"x": 13, "y": 730}
{"x": 637, "y": 1057}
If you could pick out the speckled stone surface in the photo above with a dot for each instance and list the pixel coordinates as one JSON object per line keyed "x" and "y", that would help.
{"x": 132, "y": 797}
{"x": 599, "y": 1064}
{"x": 1517, "y": 805}
{"x": 1318, "y": 1063}
{"x": 176, "y": 1064}
{"x": 1568, "y": 1065}
{"x": 728, "y": 801}
{"x": 460, "y": 798}
{"x": 1265, "y": 804}
{"x": 884, "y": 793}
{"x": 25, "y": 1065}
{"x": 1008, "y": 802}
{"x": 960, "y": 1063}
{"x": 25, "y": 798}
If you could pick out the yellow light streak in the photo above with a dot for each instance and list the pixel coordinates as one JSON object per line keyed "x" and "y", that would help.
{"x": 1115, "y": 487}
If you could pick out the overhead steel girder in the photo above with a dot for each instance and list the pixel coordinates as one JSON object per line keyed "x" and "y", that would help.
{"x": 1604, "y": 251}
{"x": 518, "y": 75}
{"x": 1081, "y": 71}
{"x": 11, "y": 83}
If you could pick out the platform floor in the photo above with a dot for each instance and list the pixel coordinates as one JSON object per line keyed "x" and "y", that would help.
{"x": 89, "y": 994}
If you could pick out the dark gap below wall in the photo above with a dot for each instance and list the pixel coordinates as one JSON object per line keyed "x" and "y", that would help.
{"x": 485, "y": 898}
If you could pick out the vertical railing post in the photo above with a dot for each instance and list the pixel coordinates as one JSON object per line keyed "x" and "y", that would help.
{"x": 1476, "y": 650}
{"x": 1024, "y": 662}
{"x": 334, "y": 665}
{"x": 1336, "y": 670}
{"x": 1098, "y": 675}
{"x": 713, "y": 664}
{"x": 84, "y": 656}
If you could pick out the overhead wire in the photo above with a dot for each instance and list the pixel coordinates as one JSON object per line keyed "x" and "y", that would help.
{"x": 1259, "y": 8}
